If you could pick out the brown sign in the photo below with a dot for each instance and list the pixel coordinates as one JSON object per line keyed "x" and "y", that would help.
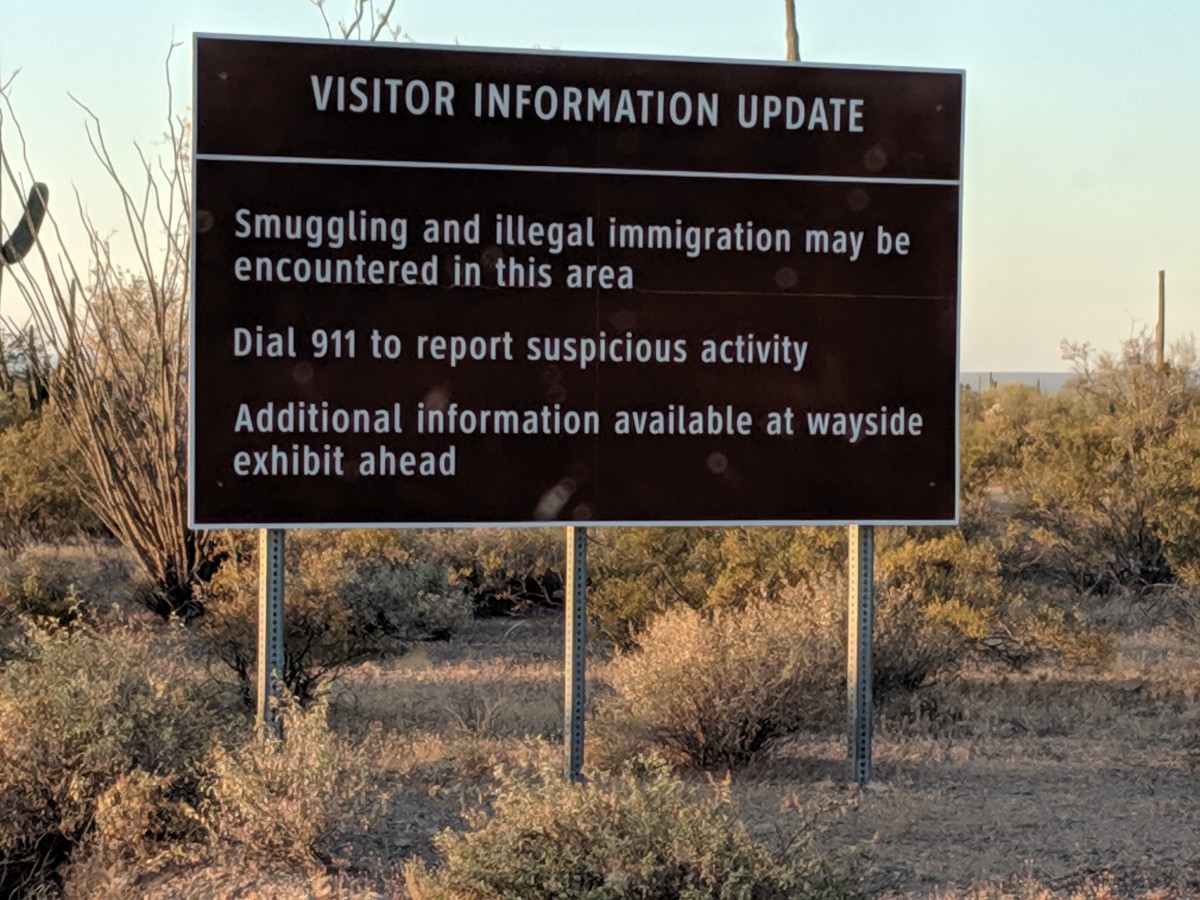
{"x": 442, "y": 286}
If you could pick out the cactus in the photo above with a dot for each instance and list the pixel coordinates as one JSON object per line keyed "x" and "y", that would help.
{"x": 21, "y": 240}
{"x": 12, "y": 251}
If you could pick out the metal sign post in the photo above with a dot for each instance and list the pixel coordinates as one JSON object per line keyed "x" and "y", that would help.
{"x": 270, "y": 630}
{"x": 860, "y": 625}
{"x": 575, "y": 652}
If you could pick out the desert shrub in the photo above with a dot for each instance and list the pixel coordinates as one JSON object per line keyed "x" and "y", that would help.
{"x": 115, "y": 356}
{"x": 1100, "y": 487}
{"x": 144, "y": 824}
{"x": 410, "y": 600}
{"x": 343, "y": 601}
{"x": 502, "y": 570}
{"x": 718, "y": 686}
{"x": 318, "y": 637}
{"x": 79, "y": 712}
{"x": 49, "y": 596}
{"x": 626, "y": 835}
{"x": 40, "y": 476}
{"x": 946, "y": 598}
{"x": 280, "y": 801}
{"x": 639, "y": 572}
{"x": 940, "y": 599}
{"x": 1066, "y": 631}
{"x": 61, "y": 583}
{"x": 994, "y": 429}
{"x": 141, "y": 812}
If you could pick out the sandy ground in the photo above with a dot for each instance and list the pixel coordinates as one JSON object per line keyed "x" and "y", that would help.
{"x": 1047, "y": 780}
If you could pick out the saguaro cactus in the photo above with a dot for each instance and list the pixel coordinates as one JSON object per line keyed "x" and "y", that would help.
{"x": 12, "y": 252}
{"x": 21, "y": 240}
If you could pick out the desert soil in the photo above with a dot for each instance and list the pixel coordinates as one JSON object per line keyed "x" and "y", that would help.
{"x": 997, "y": 783}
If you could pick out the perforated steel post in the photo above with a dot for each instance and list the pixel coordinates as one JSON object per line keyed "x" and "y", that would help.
{"x": 574, "y": 652}
{"x": 860, "y": 626}
{"x": 270, "y": 629}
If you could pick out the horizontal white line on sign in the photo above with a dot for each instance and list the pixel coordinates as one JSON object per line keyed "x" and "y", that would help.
{"x": 571, "y": 170}
{"x": 793, "y": 294}
{"x": 581, "y": 523}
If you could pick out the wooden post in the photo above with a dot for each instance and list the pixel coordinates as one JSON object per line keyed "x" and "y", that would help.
{"x": 793, "y": 36}
{"x": 1160, "y": 332}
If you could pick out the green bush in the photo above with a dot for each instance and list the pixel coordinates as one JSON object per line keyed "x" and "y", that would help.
{"x": 502, "y": 570}
{"x": 344, "y": 599}
{"x": 59, "y": 583}
{"x": 639, "y": 572}
{"x": 618, "y": 836}
{"x": 940, "y": 599}
{"x": 1095, "y": 489}
{"x": 946, "y": 598}
{"x": 413, "y": 600}
{"x": 40, "y": 477}
{"x": 78, "y": 713}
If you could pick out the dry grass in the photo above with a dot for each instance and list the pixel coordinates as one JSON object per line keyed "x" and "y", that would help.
{"x": 104, "y": 576}
{"x": 1051, "y": 782}
{"x": 502, "y": 678}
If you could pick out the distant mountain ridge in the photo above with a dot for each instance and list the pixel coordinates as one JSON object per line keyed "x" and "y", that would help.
{"x": 1046, "y": 382}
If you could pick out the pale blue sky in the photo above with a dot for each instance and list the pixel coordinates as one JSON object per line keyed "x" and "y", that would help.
{"x": 1082, "y": 128}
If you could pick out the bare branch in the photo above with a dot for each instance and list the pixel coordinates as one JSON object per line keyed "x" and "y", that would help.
{"x": 118, "y": 340}
{"x": 320, "y": 5}
{"x": 381, "y": 21}
{"x": 368, "y": 22}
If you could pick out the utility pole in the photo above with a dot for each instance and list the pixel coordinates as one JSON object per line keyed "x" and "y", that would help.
{"x": 793, "y": 36}
{"x": 1160, "y": 332}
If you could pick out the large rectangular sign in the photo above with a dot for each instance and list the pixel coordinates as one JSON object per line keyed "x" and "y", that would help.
{"x": 448, "y": 286}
